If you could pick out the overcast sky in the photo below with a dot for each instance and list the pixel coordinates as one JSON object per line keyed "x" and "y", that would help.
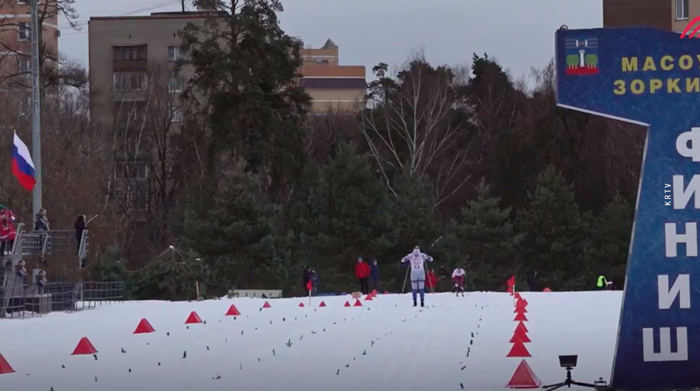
{"x": 519, "y": 33}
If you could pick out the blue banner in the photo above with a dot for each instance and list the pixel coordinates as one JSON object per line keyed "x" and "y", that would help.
{"x": 649, "y": 77}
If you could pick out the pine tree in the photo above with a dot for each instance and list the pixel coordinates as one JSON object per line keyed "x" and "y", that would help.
{"x": 350, "y": 215}
{"x": 611, "y": 232}
{"x": 415, "y": 215}
{"x": 245, "y": 80}
{"x": 488, "y": 239}
{"x": 232, "y": 230}
{"x": 554, "y": 233}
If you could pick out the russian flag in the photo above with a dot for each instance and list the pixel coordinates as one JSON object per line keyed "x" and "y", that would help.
{"x": 22, "y": 164}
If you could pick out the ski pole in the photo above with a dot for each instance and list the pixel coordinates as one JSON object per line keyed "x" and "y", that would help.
{"x": 403, "y": 289}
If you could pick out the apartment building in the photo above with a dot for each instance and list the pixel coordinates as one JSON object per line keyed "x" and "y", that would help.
{"x": 333, "y": 87}
{"x": 134, "y": 92}
{"x": 671, "y": 15}
{"x": 15, "y": 39}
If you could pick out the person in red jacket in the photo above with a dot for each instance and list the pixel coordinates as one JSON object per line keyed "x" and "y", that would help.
{"x": 5, "y": 232}
{"x": 362, "y": 272}
{"x": 432, "y": 280}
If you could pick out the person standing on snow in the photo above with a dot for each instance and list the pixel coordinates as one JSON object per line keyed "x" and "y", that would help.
{"x": 458, "y": 280}
{"x": 306, "y": 277}
{"x": 313, "y": 277}
{"x": 416, "y": 259}
{"x": 374, "y": 274}
{"x": 362, "y": 272}
{"x": 432, "y": 281}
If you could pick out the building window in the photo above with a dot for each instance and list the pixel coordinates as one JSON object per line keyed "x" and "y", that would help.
{"x": 129, "y": 81}
{"x": 177, "y": 115}
{"x": 23, "y": 31}
{"x": 682, "y": 9}
{"x": 130, "y": 53}
{"x": 131, "y": 170}
{"x": 174, "y": 85}
{"x": 173, "y": 53}
{"x": 24, "y": 65}
{"x": 136, "y": 200}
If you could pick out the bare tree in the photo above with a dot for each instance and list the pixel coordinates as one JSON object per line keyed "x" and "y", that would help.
{"x": 418, "y": 126}
{"x": 155, "y": 152}
{"x": 15, "y": 44}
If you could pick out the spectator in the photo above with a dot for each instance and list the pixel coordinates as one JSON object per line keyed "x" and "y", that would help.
{"x": 444, "y": 279}
{"x": 362, "y": 272}
{"x": 41, "y": 282}
{"x": 5, "y": 231}
{"x": 533, "y": 283}
{"x": 17, "y": 297}
{"x": 306, "y": 277}
{"x": 4, "y": 211}
{"x": 314, "y": 282}
{"x": 432, "y": 280}
{"x": 374, "y": 274}
{"x": 42, "y": 222}
{"x": 80, "y": 226}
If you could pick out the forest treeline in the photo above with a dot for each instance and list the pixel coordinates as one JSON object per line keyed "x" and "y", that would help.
{"x": 479, "y": 170}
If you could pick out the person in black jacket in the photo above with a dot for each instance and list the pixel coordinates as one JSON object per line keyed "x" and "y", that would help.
{"x": 532, "y": 282}
{"x": 79, "y": 228}
{"x": 306, "y": 276}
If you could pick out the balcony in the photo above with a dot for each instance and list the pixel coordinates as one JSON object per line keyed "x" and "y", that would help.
{"x": 130, "y": 96}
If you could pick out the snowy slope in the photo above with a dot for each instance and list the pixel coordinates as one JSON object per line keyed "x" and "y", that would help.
{"x": 384, "y": 345}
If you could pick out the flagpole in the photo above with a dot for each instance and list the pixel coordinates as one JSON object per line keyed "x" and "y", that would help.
{"x": 36, "y": 107}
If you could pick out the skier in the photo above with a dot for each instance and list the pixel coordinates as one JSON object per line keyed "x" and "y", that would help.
{"x": 458, "y": 279}
{"x": 416, "y": 259}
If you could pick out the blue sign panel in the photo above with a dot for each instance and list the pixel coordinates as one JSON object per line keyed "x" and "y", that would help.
{"x": 650, "y": 77}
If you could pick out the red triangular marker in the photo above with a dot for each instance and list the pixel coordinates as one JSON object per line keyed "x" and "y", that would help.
{"x": 521, "y": 326}
{"x": 520, "y": 335}
{"x": 322, "y": 304}
{"x": 517, "y": 295}
{"x": 509, "y": 290}
{"x": 233, "y": 311}
{"x": 346, "y": 304}
{"x": 301, "y": 304}
{"x": 374, "y": 292}
{"x": 5, "y": 366}
{"x": 520, "y": 310}
{"x": 193, "y": 318}
{"x": 358, "y": 303}
{"x": 84, "y": 347}
{"x": 520, "y": 317}
{"x": 386, "y": 292}
{"x": 518, "y": 350}
{"x": 144, "y": 327}
{"x": 368, "y": 298}
{"x": 524, "y": 378}
{"x": 267, "y": 305}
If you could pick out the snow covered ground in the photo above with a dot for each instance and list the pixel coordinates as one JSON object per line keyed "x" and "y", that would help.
{"x": 383, "y": 345}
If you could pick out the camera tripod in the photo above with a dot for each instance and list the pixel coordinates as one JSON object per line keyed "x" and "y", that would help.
{"x": 569, "y": 382}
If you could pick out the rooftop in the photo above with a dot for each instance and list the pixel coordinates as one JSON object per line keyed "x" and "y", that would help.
{"x": 157, "y": 15}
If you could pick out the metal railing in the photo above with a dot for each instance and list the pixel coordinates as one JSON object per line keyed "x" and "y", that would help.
{"x": 52, "y": 297}
{"x": 43, "y": 243}
{"x": 83, "y": 248}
